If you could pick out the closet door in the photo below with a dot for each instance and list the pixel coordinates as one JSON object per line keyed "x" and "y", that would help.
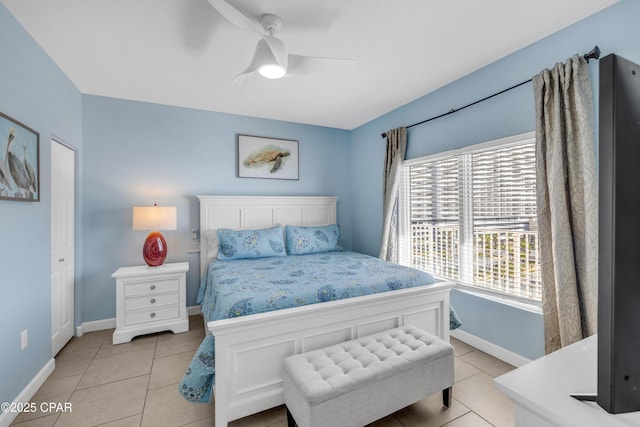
{"x": 62, "y": 244}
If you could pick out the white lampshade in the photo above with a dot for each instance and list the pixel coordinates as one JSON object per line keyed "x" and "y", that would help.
{"x": 154, "y": 218}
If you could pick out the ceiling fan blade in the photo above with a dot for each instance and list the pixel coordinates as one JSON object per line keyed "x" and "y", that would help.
{"x": 249, "y": 71}
{"x": 241, "y": 78}
{"x": 279, "y": 50}
{"x": 299, "y": 64}
{"x": 236, "y": 17}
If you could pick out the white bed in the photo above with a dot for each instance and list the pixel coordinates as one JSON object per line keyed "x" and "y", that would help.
{"x": 250, "y": 349}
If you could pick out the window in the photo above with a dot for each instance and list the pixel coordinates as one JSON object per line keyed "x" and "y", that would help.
{"x": 470, "y": 216}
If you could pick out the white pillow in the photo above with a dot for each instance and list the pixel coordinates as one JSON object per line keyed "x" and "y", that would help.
{"x": 212, "y": 244}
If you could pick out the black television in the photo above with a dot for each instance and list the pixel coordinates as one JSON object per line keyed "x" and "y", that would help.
{"x": 619, "y": 236}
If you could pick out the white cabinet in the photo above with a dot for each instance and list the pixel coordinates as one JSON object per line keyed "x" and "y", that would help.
{"x": 541, "y": 390}
{"x": 150, "y": 299}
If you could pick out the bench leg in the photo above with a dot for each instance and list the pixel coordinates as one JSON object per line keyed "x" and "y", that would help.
{"x": 290, "y": 421}
{"x": 447, "y": 394}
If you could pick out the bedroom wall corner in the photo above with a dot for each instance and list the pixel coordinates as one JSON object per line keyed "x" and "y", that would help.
{"x": 139, "y": 153}
{"x": 36, "y": 93}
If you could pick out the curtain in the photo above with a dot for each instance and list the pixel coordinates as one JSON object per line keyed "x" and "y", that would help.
{"x": 567, "y": 202}
{"x": 396, "y": 148}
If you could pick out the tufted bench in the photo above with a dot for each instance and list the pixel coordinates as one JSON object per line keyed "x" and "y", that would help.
{"x": 359, "y": 381}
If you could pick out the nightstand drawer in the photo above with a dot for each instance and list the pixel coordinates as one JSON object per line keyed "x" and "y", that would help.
{"x": 150, "y": 301}
{"x": 151, "y": 314}
{"x": 150, "y": 287}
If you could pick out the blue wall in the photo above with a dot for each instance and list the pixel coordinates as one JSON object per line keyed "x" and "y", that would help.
{"x": 138, "y": 153}
{"x": 615, "y": 30}
{"x": 34, "y": 91}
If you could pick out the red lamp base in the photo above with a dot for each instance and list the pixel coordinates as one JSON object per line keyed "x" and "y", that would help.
{"x": 154, "y": 250}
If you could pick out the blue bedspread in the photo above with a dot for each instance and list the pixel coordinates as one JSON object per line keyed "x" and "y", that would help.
{"x": 241, "y": 287}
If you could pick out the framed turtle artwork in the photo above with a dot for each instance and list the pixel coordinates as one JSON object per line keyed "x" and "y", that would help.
{"x": 19, "y": 161}
{"x": 261, "y": 157}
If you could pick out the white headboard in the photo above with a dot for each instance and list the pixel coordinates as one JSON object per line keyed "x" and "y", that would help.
{"x": 261, "y": 212}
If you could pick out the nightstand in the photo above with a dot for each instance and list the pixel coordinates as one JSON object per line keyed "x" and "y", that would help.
{"x": 150, "y": 299}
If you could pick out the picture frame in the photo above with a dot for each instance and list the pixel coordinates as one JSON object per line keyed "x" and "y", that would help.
{"x": 267, "y": 158}
{"x": 19, "y": 161}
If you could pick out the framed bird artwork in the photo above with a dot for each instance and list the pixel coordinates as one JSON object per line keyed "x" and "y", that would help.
{"x": 261, "y": 157}
{"x": 19, "y": 161}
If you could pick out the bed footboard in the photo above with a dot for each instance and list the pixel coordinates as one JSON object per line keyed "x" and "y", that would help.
{"x": 250, "y": 349}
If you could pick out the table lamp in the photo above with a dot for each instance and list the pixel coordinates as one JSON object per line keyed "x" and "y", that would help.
{"x": 154, "y": 218}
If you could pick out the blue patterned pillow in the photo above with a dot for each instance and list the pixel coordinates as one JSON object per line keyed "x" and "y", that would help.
{"x": 239, "y": 244}
{"x": 308, "y": 240}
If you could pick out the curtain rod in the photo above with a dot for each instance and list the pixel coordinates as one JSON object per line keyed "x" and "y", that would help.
{"x": 593, "y": 54}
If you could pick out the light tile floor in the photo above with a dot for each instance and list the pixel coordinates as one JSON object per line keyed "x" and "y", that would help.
{"x": 135, "y": 384}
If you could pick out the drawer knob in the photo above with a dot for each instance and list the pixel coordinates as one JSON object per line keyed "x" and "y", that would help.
{"x": 152, "y": 315}
{"x": 153, "y": 300}
{"x": 153, "y": 287}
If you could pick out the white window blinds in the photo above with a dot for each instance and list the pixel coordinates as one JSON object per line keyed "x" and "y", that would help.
{"x": 470, "y": 216}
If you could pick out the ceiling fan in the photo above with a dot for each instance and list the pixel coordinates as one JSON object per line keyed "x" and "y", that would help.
{"x": 271, "y": 59}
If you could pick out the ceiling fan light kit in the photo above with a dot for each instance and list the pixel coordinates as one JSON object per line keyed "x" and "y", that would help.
{"x": 272, "y": 71}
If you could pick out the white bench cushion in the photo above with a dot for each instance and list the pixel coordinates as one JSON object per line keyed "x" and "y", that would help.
{"x": 406, "y": 355}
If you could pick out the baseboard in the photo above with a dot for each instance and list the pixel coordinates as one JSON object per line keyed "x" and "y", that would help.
{"x": 494, "y": 350}
{"x": 96, "y": 325}
{"x": 6, "y": 418}
{"x": 101, "y": 325}
{"x": 192, "y": 311}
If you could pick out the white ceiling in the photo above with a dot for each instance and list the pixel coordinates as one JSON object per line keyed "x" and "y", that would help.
{"x": 183, "y": 53}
